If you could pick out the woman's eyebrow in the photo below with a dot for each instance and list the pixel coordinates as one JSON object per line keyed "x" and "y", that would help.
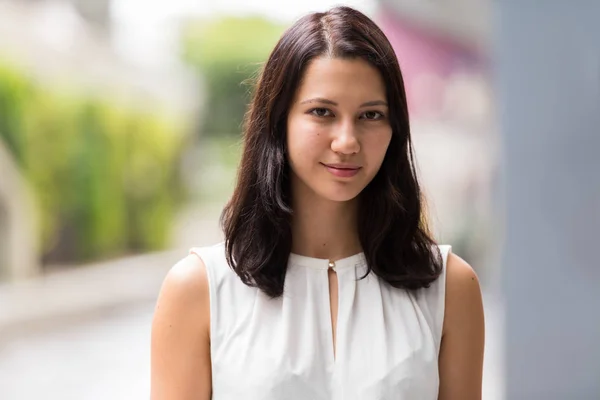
{"x": 333, "y": 103}
{"x": 374, "y": 103}
{"x": 320, "y": 100}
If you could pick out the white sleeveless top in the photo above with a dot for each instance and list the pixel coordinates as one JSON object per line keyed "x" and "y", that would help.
{"x": 387, "y": 339}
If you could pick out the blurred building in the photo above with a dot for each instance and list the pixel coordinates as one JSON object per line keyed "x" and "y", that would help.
{"x": 70, "y": 41}
{"x": 440, "y": 45}
{"x": 96, "y": 12}
{"x": 443, "y": 51}
{"x": 462, "y": 21}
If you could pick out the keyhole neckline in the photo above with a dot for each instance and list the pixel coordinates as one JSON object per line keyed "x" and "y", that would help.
{"x": 355, "y": 260}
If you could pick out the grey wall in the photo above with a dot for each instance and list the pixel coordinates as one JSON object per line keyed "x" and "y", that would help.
{"x": 547, "y": 69}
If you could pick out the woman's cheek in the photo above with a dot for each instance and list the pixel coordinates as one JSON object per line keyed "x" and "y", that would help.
{"x": 310, "y": 137}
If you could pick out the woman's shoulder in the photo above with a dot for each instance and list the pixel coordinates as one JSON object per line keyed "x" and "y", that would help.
{"x": 186, "y": 283}
{"x": 463, "y": 334}
{"x": 455, "y": 295}
{"x": 462, "y": 281}
{"x": 457, "y": 280}
{"x": 463, "y": 293}
{"x": 183, "y": 305}
{"x": 459, "y": 274}
{"x": 180, "y": 338}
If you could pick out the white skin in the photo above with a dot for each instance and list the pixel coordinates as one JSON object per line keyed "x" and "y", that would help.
{"x": 339, "y": 115}
{"x": 324, "y": 226}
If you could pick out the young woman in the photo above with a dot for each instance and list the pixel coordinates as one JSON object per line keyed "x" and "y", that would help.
{"x": 328, "y": 285}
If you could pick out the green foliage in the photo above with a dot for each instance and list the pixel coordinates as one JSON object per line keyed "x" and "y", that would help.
{"x": 15, "y": 89}
{"x": 105, "y": 177}
{"x": 227, "y": 53}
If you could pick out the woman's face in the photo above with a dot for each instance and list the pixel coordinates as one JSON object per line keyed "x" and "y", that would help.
{"x": 338, "y": 128}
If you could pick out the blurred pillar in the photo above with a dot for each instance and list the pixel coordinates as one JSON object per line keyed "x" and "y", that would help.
{"x": 18, "y": 234}
{"x": 548, "y": 81}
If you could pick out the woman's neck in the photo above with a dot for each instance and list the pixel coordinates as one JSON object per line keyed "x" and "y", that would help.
{"x": 325, "y": 229}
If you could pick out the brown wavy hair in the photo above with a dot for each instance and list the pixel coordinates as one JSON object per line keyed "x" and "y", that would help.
{"x": 257, "y": 220}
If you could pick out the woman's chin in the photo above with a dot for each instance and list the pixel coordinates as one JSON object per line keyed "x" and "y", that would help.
{"x": 340, "y": 196}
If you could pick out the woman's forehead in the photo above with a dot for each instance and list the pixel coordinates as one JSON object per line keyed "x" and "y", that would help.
{"x": 340, "y": 79}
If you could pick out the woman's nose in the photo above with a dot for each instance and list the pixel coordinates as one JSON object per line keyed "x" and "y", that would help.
{"x": 345, "y": 140}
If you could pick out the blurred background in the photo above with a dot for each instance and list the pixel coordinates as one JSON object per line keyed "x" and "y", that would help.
{"x": 119, "y": 140}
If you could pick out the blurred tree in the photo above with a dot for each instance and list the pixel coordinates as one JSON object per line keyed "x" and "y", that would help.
{"x": 105, "y": 175}
{"x": 14, "y": 90}
{"x": 227, "y": 53}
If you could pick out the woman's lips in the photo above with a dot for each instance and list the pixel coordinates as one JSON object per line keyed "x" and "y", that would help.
{"x": 342, "y": 170}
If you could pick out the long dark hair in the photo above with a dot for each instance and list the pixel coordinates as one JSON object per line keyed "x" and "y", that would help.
{"x": 257, "y": 219}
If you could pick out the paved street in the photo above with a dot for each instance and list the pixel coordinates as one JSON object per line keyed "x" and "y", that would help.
{"x": 105, "y": 357}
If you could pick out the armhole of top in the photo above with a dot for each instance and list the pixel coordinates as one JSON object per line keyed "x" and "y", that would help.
{"x": 203, "y": 255}
{"x": 445, "y": 251}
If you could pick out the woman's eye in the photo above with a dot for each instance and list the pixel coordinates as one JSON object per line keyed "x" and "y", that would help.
{"x": 320, "y": 112}
{"x": 373, "y": 115}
